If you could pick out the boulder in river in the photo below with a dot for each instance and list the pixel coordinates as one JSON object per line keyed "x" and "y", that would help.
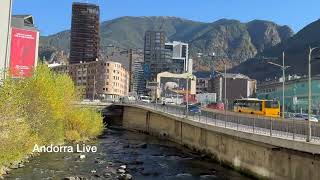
{"x": 75, "y": 178}
{"x": 121, "y": 171}
{"x": 93, "y": 171}
{"x": 125, "y": 177}
{"x": 123, "y": 167}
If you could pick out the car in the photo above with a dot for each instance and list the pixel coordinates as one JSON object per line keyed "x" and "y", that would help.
{"x": 195, "y": 109}
{"x": 145, "y": 99}
{"x": 305, "y": 117}
{"x": 218, "y": 106}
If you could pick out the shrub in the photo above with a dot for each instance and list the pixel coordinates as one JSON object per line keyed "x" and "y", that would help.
{"x": 40, "y": 110}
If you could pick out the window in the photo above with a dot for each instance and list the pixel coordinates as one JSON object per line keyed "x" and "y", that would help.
{"x": 272, "y": 104}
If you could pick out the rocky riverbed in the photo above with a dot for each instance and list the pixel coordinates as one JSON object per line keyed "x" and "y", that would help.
{"x": 125, "y": 155}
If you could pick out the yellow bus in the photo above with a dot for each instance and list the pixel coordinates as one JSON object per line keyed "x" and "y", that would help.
{"x": 269, "y": 108}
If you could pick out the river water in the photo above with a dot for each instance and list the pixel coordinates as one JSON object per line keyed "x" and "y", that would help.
{"x": 145, "y": 157}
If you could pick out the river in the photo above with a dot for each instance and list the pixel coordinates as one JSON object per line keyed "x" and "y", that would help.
{"x": 145, "y": 157}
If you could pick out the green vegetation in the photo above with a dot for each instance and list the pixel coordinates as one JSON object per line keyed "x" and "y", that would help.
{"x": 40, "y": 110}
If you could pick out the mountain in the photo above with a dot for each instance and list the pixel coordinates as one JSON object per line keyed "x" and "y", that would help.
{"x": 230, "y": 40}
{"x": 296, "y": 56}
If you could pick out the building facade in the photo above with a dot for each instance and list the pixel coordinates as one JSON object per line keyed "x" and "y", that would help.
{"x": 180, "y": 57}
{"x": 138, "y": 85}
{"x": 237, "y": 86}
{"x": 98, "y": 79}
{"x": 85, "y": 40}
{"x": 203, "y": 78}
{"x": 157, "y": 59}
{"x": 5, "y": 19}
{"x": 296, "y": 94}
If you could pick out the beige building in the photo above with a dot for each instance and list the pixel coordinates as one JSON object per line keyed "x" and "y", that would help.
{"x": 99, "y": 79}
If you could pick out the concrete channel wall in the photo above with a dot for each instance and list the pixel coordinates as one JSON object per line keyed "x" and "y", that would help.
{"x": 260, "y": 156}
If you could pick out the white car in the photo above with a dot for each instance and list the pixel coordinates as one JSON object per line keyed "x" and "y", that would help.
{"x": 145, "y": 99}
{"x": 305, "y": 117}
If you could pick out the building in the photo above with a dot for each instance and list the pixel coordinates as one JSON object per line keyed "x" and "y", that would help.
{"x": 5, "y": 19}
{"x": 85, "y": 40}
{"x": 24, "y": 46}
{"x": 98, "y": 79}
{"x": 203, "y": 78}
{"x": 296, "y": 93}
{"x": 157, "y": 59}
{"x": 176, "y": 86}
{"x": 138, "y": 85}
{"x": 237, "y": 86}
{"x": 180, "y": 57}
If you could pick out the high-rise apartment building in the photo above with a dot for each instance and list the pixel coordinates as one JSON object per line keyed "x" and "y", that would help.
{"x": 156, "y": 58}
{"x": 138, "y": 84}
{"x": 84, "y": 45}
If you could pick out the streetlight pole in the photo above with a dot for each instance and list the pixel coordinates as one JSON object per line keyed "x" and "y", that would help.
{"x": 309, "y": 93}
{"x": 187, "y": 96}
{"x": 225, "y": 88}
{"x": 283, "y": 84}
{"x": 283, "y": 67}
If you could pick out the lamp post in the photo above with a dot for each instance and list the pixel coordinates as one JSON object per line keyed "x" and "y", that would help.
{"x": 310, "y": 92}
{"x": 283, "y": 67}
{"x": 187, "y": 93}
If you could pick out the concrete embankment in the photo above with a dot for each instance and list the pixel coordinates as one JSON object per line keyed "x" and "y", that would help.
{"x": 256, "y": 155}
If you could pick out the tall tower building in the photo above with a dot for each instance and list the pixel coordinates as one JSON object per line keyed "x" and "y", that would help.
{"x": 85, "y": 40}
{"x": 156, "y": 58}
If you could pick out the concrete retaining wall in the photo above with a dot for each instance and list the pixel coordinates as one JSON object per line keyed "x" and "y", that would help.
{"x": 245, "y": 152}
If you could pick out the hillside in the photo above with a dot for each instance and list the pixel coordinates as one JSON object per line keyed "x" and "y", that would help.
{"x": 231, "y": 39}
{"x": 296, "y": 55}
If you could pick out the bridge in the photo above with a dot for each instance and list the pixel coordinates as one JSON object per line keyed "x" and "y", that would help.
{"x": 290, "y": 129}
{"x": 259, "y": 146}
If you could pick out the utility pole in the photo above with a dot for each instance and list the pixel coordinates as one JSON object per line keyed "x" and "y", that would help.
{"x": 310, "y": 93}
{"x": 94, "y": 87}
{"x": 187, "y": 97}
{"x": 283, "y": 68}
{"x": 225, "y": 88}
{"x": 283, "y": 84}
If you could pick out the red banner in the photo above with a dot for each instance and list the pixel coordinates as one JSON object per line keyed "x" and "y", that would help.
{"x": 23, "y": 52}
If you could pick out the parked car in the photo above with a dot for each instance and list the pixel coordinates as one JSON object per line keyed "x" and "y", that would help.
{"x": 145, "y": 99}
{"x": 305, "y": 117}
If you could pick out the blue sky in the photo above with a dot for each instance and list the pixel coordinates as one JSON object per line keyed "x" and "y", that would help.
{"x": 52, "y": 16}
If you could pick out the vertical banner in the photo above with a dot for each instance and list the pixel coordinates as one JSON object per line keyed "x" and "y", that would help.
{"x": 23, "y": 52}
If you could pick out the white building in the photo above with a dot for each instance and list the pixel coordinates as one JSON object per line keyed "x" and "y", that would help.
{"x": 180, "y": 57}
{"x": 5, "y": 19}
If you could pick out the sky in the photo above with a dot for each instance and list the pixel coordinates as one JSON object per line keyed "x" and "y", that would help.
{"x": 52, "y": 16}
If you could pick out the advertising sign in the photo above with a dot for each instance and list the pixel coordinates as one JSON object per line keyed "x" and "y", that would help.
{"x": 23, "y": 52}
{"x": 172, "y": 86}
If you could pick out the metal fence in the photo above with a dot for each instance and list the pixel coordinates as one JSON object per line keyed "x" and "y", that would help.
{"x": 283, "y": 128}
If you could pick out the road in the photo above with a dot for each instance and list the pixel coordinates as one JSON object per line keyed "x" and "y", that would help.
{"x": 286, "y": 129}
